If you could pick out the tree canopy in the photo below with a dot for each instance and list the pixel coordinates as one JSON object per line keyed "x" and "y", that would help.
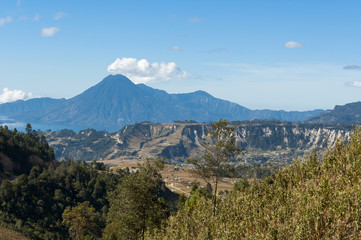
{"x": 135, "y": 206}
{"x": 34, "y": 203}
{"x": 24, "y": 150}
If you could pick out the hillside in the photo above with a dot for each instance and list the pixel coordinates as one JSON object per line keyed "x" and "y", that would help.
{"x": 265, "y": 141}
{"x": 316, "y": 198}
{"x": 312, "y": 197}
{"x": 19, "y": 152}
{"x": 116, "y": 102}
{"x": 349, "y": 113}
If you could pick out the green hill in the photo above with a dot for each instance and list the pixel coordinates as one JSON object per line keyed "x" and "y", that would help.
{"x": 19, "y": 152}
{"x": 36, "y": 191}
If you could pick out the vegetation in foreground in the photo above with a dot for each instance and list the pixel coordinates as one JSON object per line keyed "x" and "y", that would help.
{"x": 216, "y": 161}
{"x": 34, "y": 203}
{"x": 312, "y": 199}
{"x": 6, "y": 234}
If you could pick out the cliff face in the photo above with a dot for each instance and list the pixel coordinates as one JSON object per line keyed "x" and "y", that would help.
{"x": 178, "y": 141}
{"x": 294, "y": 136}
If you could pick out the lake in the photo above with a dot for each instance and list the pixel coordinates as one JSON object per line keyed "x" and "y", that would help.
{"x": 11, "y": 123}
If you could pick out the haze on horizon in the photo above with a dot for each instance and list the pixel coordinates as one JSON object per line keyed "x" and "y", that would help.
{"x": 260, "y": 54}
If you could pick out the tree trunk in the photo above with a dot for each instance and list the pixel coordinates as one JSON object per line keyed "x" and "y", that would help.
{"x": 215, "y": 197}
{"x": 143, "y": 227}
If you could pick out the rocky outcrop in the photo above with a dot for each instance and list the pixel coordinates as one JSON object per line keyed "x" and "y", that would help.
{"x": 178, "y": 141}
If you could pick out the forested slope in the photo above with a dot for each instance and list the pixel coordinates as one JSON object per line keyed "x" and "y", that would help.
{"x": 19, "y": 152}
{"x": 45, "y": 199}
{"x": 34, "y": 203}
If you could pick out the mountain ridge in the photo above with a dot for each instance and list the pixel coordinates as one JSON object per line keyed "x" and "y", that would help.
{"x": 264, "y": 140}
{"x": 24, "y": 106}
{"x": 116, "y": 102}
{"x": 348, "y": 113}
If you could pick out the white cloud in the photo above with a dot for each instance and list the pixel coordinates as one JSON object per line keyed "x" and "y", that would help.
{"x": 18, "y": 3}
{"x": 35, "y": 18}
{"x": 49, "y": 32}
{"x": 195, "y": 20}
{"x": 5, "y": 20}
{"x": 59, "y": 15}
{"x": 354, "y": 84}
{"x": 292, "y": 44}
{"x": 141, "y": 71}
{"x": 176, "y": 48}
{"x": 8, "y": 95}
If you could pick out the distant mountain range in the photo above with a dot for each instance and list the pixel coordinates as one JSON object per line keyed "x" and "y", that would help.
{"x": 349, "y": 113}
{"x": 21, "y": 107}
{"x": 116, "y": 101}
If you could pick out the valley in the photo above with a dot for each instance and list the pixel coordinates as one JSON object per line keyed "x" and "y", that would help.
{"x": 269, "y": 145}
{"x": 265, "y": 141}
{"x": 177, "y": 178}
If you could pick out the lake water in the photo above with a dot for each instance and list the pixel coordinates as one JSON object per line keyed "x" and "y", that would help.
{"x": 11, "y": 123}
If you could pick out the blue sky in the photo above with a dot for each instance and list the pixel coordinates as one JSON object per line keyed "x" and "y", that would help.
{"x": 292, "y": 55}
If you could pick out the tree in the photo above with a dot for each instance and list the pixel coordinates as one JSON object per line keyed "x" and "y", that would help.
{"x": 217, "y": 161}
{"x": 135, "y": 206}
{"x": 82, "y": 220}
{"x": 28, "y": 129}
